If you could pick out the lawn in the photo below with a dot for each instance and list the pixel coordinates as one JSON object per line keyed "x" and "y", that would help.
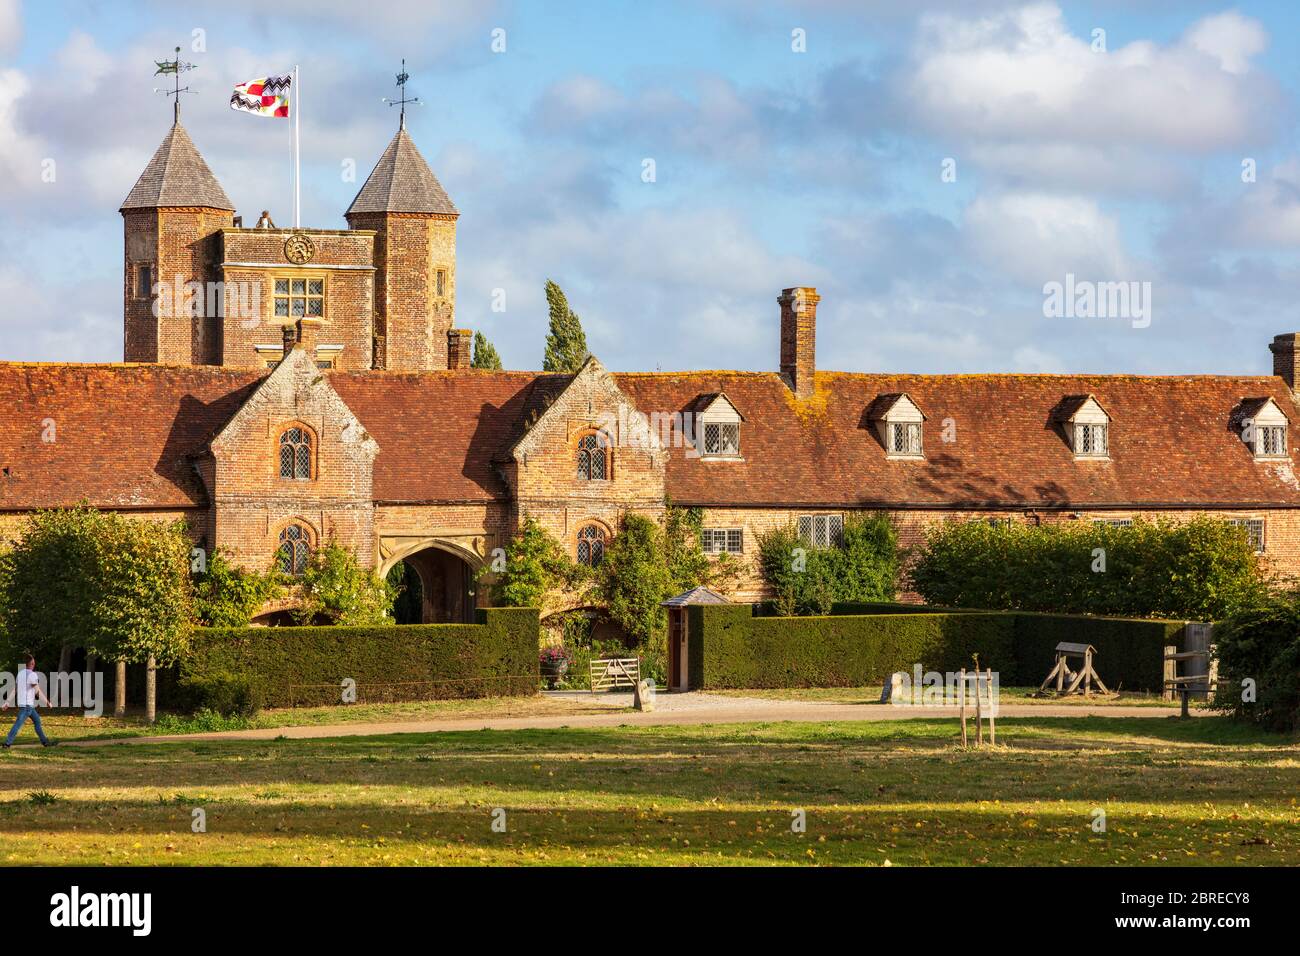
{"x": 1196, "y": 792}
{"x": 73, "y": 726}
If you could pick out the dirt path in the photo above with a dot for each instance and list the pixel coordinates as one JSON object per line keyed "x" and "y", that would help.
{"x": 671, "y": 710}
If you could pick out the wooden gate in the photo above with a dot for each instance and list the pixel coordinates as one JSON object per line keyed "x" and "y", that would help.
{"x": 610, "y": 672}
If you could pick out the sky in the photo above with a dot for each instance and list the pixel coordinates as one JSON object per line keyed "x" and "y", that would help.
{"x": 931, "y": 167}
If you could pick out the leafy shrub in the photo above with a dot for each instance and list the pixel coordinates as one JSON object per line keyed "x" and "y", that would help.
{"x": 1261, "y": 643}
{"x": 335, "y": 587}
{"x": 1200, "y": 569}
{"x": 220, "y": 692}
{"x": 535, "y": 565}
{"x": 202, "y": 722}
{"x": 863, "y": 567}
{"x": 226, "y": 595}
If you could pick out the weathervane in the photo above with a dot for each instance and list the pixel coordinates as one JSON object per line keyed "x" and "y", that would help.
{"x": 402, "y": 100}
{"x": 176, "y": 68}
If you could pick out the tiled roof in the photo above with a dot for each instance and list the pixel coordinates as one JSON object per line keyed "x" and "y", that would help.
{"x": 1171, "y": 442}
{"x": 402, "y": 182}
{"x": 441, "y": 434}
{"x": 127, "y": 436}
{"x": 124, "y": 436}
{"x": 177, "y": 176}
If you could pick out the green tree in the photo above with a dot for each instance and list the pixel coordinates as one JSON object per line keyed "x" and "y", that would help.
{"x": 1260, "y": 643}
{"x": 566, "y": 343}
{"x": 1199, "y": 569}
{"x": 336, "y": 587}
{"x": 804, "y": 579}
{"x": 485, "y": 356}
{"x": 226, "y": 595}
{"x": 534, "y": 565}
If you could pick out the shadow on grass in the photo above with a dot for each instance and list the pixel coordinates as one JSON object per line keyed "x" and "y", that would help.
{"x": 1053, "y": 834}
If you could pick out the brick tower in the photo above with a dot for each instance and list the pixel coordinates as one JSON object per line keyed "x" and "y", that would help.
{"x": 415, "y": 257}
{"x": 170, "y": 220}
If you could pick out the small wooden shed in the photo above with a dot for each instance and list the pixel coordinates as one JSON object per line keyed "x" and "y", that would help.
{"x": 679, "y": 670}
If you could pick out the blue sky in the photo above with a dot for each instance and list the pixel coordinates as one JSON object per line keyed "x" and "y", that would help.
{"x": 773, "y": 168}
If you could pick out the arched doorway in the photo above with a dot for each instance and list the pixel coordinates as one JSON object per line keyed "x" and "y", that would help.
{"x": 445, "y": 582}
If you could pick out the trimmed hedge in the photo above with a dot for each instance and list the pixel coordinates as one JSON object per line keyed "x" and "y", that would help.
{"x": 497, "y": 656}
{"x": 1130, "y": 651}
{"x": 734, "y": 648}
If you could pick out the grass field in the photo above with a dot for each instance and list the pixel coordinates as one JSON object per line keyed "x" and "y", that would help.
{"x": 1006, "y": 695}
{"x": 1197, "y": 792}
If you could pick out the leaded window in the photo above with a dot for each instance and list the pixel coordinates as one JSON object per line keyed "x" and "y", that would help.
{"x": 295, "y": 548}
{"x": 1254, "y": 531}
{"x": 821, "y": 531}
{"x": 295, "y": 298}
{"x": 722, "y": 439}
{"x": 1091, "y": 440}
{"x": 591, "y": 545}
{"x": 593, "y": 460}
{"x": 295, "y": 454}
{"x": 905, "y": 438}
{"x": 1271, "y": 441}
{"x": 722, "y": 540}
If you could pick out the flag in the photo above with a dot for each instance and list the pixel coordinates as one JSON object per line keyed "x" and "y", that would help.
{"x": 267, "y": 96}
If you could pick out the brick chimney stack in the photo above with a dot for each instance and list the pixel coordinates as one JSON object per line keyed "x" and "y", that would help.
{"x": 290, "y": 333}
{"x": 799, "y": 338}
{"x": 460, "y": 348}
{"x": 1286, "y": 357}
{"x": 309, "y": 334}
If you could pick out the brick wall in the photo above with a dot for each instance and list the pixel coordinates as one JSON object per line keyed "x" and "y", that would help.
{"x": 174, "y": 242}
{"x": 253, "y": 503}
{"x": 343, "y": 259}
{"x": 545, "y": 478}
{"x": 410, "y": 250}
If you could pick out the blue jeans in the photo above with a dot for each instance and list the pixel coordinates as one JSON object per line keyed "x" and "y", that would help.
{"x": 23, "y": 714}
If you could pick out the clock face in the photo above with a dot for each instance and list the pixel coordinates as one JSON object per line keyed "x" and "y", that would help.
{"x": 298, "y": 249}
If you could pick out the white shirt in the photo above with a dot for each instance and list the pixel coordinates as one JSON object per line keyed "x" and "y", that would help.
{"x": 28, "y": 681}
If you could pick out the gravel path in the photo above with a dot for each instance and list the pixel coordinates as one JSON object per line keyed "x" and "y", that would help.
{"x": 670, "y": 710}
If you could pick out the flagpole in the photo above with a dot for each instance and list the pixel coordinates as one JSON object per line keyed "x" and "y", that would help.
{"x": 297, "y": 168}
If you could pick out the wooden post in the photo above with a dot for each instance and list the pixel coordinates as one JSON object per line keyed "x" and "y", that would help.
{"x": 1171, "y": 671}
{"x": 962, "y": 706}
{"x": 119, "y": 689}
{"x": 151, "y": 690}
{"x": 979, "y": 717}
{"x": 993, "y": 734}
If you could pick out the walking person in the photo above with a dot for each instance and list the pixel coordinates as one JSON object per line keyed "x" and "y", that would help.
{"x": 28, "y": 691}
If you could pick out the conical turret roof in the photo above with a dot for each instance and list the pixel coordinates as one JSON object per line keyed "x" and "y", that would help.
{"x": 402, "y": 182}
{"x": 177, "y": 176}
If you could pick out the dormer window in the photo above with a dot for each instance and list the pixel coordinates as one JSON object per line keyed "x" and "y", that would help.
{"x": 1263, "y": 428}
{"x": 717, "y": 428}
{"x": 899, "y": 423}
{"x": 1086, "y": 426}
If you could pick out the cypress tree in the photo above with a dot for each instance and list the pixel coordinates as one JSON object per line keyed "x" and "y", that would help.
{"x": 566, "y": 343}
{"x": 485, "y": 356}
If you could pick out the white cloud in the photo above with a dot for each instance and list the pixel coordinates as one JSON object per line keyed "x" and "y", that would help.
{"x": 1036, "y": 238}
{"x": 1020, "y": 75}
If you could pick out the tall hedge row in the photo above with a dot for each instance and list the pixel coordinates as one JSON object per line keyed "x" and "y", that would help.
{"x": 733, "y": 648}
{"x": 497, "y": 656}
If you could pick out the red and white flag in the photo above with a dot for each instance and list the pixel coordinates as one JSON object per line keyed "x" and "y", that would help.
{"x": 267, "y": 96}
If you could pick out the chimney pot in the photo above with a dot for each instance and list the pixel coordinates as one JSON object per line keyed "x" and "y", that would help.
{"x": 290, "y": 333}
{"x": 459, "y": 348}
{"x": 799, "y": 338}
{"x": 1286, "y": 357}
